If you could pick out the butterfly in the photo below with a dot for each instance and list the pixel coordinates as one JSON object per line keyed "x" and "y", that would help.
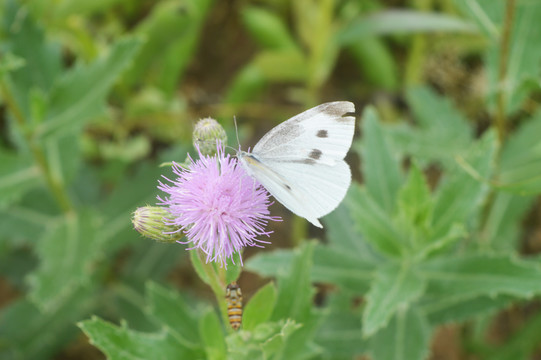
{"x": 301, "y": 161}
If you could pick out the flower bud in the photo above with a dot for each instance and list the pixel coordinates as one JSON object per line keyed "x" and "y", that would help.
{"x": 207, "y": 131}
{"x": 149, "y": 222}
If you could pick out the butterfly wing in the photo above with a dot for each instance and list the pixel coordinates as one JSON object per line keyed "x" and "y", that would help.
{"x": 321, "y": 135}
{"x": 300, "y": 162}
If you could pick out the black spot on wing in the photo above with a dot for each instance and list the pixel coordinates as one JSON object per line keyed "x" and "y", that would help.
{"x": 315, "y": 154}
{"x": 322, "y": 133}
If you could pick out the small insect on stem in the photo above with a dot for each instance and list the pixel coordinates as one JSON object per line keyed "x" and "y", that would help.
{"x": 233, "y": 296}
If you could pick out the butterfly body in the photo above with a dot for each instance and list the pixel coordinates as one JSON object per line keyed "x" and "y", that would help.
{"x": 301, "y": 161}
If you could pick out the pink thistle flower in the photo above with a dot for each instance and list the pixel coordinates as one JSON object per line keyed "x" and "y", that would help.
{"x": 217, "y": 205}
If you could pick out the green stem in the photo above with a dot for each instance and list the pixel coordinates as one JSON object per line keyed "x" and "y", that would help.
{"x": 502, "y": 70}
{"x": 414, "y": 65}
{"x": 56, "y": 187}
{"x": 216, "y": 284}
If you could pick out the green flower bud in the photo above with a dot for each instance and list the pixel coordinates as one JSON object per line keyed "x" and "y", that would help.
{"x": 148, "y": 221}
{"x": 205, "y": 134}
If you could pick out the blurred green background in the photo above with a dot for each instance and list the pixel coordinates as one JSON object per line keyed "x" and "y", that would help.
{"x": 96, "y": 94}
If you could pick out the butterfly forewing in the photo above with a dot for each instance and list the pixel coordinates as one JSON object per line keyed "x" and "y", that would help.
{"x": 322, "y": 134}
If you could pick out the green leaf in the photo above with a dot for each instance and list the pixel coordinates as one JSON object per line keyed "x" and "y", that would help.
{"x": 460, "y": 195}
{"x": 392, "y": 22}
{"x": 373, "y": 222}
{"x": 415, "y": 209}
{"x": 121, "y": 343}
{"x": 26, "y": 332}
{"x": 263, "y": 342}
{"x": 381, "y": 168}
{"x": 340, "y": 334}
{"x": 116, "y": 208}
{"x": 67, "y": 253}
{"x": 502, "y": 227}
{"x": 212, "y": 335}
{"x": 267, "y": 28}
{"x": 170, "y": 310}
{"x": 294, "y": 302}
{"x": 395, "y": 287}
{"x": 25, "y": 222}
{"x": 342, "y": 268}
{"x": 248, "y": 83}
{"x": 523, "y": 59}
{"x": 260, "y": 307}
{"x": 406, "y": 337}
{"x": 343, "y": 235}
{"x": 79, "y": 94}
{"x": 375, "y": 61}
{"x": 283, "y": 65}
{"x": 185, "y": 20}
{"x": 442, "y": 132}
{"x": 18, "y": 175}
{"x": 294, "y": 289}
{"x": 446, "y": 309}
{"x": 520, "y": 163}
{"x": 276, "y": 343}
{"x": 478, "y": 275}
{"x": 271, "y": 263}
{"x": 42, "y": 60}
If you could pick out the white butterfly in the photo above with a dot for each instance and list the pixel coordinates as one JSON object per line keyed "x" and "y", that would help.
{"x": 301, "y": 161}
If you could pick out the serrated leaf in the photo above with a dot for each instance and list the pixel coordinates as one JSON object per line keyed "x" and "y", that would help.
{"x": 394, "y": 287}
{"x": 260, "y": 307}
{"x": 342, "y": 268}
{"x": 441, "y": 310}
{"x": 117, "y": 207}
{"x": 263, "y": 342}
{"x": 460, "y": 194}
{"x": 373, "y": 222}
{"x": 502, "y": 227}
{"x": 406, "y": 337}
{"x": 479, "y": 275}
{"x": 294, "y": 302}
{"x": 276, "y": 342}
{"x": 441, "y": 133}
{"x": 294, "y": 289}
{"x": 172, "y": 311}
{"x": 67, "y": 252}
{"x": 121, "y": 343}
{"x": 523, "y": 59}
{"x": 343, "y": 235}
{"x": 42, "y": 60}
{"x": 79, "y": 94}
{"x": 211, "y": 333}
{"x": 340, "y": 333}
{"x": 520, "y": 163}
{"x": 415, "y": 209}
{"x": 18, "y": 174}
{"x": 380, "y": 167}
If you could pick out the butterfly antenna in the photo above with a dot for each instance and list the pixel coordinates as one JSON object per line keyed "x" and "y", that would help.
{"x": 236, "y": 130}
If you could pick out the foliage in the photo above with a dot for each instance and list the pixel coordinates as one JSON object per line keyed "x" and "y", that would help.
{"x": 433, "y": 231}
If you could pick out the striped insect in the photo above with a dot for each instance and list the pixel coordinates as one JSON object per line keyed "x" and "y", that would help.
{"x": 233, "y": 295}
